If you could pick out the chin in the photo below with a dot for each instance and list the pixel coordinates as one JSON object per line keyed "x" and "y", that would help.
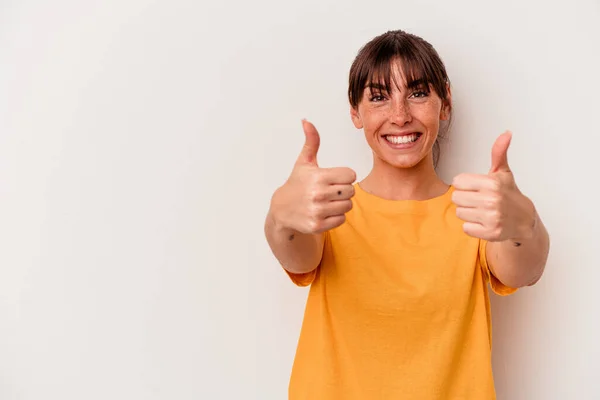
{"x": 405, "y": 163}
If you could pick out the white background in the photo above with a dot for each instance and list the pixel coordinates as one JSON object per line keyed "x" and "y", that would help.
{"x": 140, "y": 142}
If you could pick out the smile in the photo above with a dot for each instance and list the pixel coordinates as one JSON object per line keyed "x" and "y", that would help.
{"x": 403, "y": 139}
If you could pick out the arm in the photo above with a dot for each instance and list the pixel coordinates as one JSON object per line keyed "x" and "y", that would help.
{"x": 521, "y": 261}
{"x": 297, "y": 252}
{"x": 494, "y": 209}
{"x": 311, "y": 202}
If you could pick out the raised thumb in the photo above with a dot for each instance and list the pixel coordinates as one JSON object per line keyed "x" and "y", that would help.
{"x": 311, "y": 144}
{"x": 499, "y": 153}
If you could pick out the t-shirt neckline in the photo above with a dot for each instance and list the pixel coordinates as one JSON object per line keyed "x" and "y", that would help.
{"x": 412, "y": 206}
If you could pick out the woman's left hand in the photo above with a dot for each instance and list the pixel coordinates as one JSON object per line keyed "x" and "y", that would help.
{"x": 492, "y": 205}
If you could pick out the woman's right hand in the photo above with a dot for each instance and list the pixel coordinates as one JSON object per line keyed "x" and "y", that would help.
{"x": 313, "y": 200}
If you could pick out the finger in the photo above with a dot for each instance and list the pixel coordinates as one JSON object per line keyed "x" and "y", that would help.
{"x": 338, "y": 175}
{"x": 474, "y": 182}
{"x": 479, "y": 231}
{"x": 332, "y": 222}
{"x": 340, "y": 192}
{"x": 500, "y": 153}
{"x": 308, "y": 155}
{"x": 474, "y": 215}
{"x": 464, "y": 198}
{"x": 334, "y": 208}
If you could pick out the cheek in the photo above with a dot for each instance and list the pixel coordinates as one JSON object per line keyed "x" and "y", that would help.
{"x": 430, "y": 117}
{"x": 373, "y": 119}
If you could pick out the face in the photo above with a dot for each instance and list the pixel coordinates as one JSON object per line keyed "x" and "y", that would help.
{"x": 402, "y": 126}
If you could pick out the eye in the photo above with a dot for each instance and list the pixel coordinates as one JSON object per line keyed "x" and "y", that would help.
{"x": 377, "y": 98}
{"x": 419, "y": 94}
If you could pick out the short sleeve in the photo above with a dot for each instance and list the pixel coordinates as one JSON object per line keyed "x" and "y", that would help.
{"x": 303, "y": 280}
{"x": 308, "y": 278}
{"x": 498, "y": 287}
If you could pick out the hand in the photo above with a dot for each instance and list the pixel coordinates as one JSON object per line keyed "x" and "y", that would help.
{"x": 313, "y": 199}
{"x": 492, "y": 205}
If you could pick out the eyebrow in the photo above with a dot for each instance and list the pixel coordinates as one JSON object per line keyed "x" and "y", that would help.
{"x": 416, "y": 83}
{"x": 376, "y": 86}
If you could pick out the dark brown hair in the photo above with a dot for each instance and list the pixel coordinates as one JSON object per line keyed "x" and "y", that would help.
{"x": 419, "y": 60}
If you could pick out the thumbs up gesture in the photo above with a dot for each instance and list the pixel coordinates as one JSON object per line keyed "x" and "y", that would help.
{"x": 492, "y": 206}
{"x": 313, "y": 199}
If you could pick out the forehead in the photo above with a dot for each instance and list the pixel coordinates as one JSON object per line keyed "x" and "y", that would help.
{"x": 391, "y": 69}
{"x": 393, "y": 76}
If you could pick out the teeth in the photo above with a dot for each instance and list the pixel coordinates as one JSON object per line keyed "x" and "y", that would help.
{"x": 402, "y": 139}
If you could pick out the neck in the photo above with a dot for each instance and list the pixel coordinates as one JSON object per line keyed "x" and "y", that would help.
{"x": 420, "y": 182}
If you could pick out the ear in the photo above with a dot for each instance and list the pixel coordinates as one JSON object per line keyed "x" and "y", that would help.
{"x": 356, "y": 117}
{"x": 447, "y": 105}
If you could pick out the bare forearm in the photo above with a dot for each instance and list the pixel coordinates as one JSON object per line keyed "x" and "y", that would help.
{"x": 521, "y": 262}
{"x": 297, "y": 252}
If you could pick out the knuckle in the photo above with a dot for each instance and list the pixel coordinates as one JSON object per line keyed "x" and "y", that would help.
{"x": 349, "y": 206}
{"x": 492, "y": 202}
{"x": 313, "y": 212}
{"x": 497, "y": 233}
{"x": 319, "y": 212}
{"x": 315, "y": 195}
{"x": 352, "y": 174}
{"x": 465, "y": 227}
{"x": 313, "y": 225}
{"x": 495, "y": 222}
{"x": 496, "y": 217}
{"x": 491, "y": 224}
{"x": 318, "y": 177}
{"x": 455, "y": 197}
{"x": 320, "y": 195}
{"x": 495, "y": 184}
{"x": 339, "y": 221}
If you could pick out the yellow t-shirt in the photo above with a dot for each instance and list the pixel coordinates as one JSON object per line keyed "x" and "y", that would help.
{"x": 398, "y": 308}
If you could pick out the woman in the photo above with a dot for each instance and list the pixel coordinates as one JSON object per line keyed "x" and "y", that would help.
{"x": 399, "y": 263}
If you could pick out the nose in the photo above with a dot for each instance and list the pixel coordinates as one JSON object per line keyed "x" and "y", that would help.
{"x": 400, "y": 113}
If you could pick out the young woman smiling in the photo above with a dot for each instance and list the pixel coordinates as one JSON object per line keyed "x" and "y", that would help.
{"x": 399, "y": 263}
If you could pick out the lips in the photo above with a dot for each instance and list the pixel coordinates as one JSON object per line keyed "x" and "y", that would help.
{"x": 407, "y": 138}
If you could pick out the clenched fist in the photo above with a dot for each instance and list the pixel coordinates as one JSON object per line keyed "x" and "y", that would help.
{"x": 313, "y": 200}
{"x": 492, "y": 205}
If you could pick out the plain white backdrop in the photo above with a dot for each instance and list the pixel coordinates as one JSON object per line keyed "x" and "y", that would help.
{"x": 140, "y": 142}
